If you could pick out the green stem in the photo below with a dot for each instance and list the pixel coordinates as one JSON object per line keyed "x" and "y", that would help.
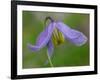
{"x": 49, "y": 60}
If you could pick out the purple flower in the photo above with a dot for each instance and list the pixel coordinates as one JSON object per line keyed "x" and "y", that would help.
{"x": 55, "y": 34}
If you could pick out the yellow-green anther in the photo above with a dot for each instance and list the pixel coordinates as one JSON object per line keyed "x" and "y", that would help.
{"x": 57, "y": 37}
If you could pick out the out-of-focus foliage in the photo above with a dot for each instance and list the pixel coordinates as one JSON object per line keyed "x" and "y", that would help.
{"x": 66, "y": 54}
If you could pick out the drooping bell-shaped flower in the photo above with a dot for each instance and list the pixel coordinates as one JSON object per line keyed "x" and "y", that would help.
{"x": 55, "y": 34}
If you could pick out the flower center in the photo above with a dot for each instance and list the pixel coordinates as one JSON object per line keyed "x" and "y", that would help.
{"x": 57, "y": 37}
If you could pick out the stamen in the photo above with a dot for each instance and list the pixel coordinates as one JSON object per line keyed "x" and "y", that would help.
{"x": 57, "y": 37}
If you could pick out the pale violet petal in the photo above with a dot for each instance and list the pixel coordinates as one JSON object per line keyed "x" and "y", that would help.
{"x": 50, "y": 48}
{"x": 33, "y": 48}
{"x": 74, "y": 36}
{"x": 43, "y": 38}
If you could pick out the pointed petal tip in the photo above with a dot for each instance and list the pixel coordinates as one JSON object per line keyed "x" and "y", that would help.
{"x": 83, "y": 42}
{"x": 32, "y": 48}
{"x": 29, "y": 46}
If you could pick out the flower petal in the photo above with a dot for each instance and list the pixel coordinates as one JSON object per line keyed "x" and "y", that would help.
{"x": 72, "y": 35}
{"x": 43, "y": 38}
{"x": 33, "y": 48}
{"x": 50, "y": 48}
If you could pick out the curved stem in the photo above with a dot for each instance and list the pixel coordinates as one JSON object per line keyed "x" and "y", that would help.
{"x": 49, "y": 60}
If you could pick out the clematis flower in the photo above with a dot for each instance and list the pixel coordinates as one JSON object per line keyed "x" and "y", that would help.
{"x": 55, "y": 34}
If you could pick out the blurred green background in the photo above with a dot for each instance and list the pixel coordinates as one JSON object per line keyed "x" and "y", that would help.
{"x": 66, "y": 54}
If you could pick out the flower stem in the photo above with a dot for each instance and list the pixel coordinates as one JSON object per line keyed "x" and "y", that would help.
{"x": 49, "y": 60}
